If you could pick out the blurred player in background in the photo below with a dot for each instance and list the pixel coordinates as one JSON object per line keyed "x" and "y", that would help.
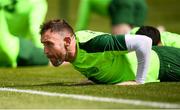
{"x": 19, "y": 32}
{"x": 124, "y": 14}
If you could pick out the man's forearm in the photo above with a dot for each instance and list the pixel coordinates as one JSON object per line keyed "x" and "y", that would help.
{"x": 142, "y": 46}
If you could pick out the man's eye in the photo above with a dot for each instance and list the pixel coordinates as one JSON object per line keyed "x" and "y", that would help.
{"x": 49, "y": 44}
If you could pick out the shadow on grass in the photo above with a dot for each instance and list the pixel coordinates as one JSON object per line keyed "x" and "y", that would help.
{"x": 68, "y": 84}
{"x": 82, "y": 84}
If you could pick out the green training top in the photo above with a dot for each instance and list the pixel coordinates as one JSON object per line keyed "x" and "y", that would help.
{"x": 103, "y": 58}
{"x": 170, "y": 39}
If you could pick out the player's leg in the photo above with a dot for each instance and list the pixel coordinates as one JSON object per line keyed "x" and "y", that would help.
{"x": 140, "y": 12}
{"x": 121, "y": 14}
{"x": 9, "y": 44}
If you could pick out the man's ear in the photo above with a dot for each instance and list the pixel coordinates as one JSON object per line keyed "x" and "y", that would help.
{"x": 67, "y": 41}
{"x": 159, "y": 43}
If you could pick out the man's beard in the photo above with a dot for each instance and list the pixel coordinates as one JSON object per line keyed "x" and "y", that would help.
{"x": 58, "y": 61}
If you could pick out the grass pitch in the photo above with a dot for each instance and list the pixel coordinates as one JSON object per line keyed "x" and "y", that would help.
{"x": 66, "y": 80}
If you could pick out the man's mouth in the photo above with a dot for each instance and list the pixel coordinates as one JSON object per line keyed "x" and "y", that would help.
{"x": 56, "y": 62}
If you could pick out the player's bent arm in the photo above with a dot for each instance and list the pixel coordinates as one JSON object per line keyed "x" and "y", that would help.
{"x": 139, "y": 43}
{"x": 142, "y": 46}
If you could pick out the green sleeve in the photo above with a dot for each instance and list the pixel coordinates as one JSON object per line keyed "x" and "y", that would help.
{"x": 104, "y": 42}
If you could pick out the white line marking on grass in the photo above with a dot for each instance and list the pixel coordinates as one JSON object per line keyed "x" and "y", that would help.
{"x": 93, "y": 98}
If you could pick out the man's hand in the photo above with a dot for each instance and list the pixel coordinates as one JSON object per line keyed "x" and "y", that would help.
{"x": 128, "y": 83}
{"x": 86, "y": 82}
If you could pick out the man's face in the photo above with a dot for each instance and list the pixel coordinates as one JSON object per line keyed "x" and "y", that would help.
{"x": 54, "y": 47}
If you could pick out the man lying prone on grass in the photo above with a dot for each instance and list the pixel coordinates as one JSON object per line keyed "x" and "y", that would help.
{"x": 108, "y": 59}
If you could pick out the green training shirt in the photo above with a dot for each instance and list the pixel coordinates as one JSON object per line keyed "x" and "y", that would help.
{"x": 103, "y": 58}
{"x": 170, "y": 39}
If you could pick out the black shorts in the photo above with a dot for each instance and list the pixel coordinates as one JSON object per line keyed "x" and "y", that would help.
{"x": 128, "y": 11}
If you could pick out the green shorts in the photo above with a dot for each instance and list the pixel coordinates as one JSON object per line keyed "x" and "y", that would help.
{"x": 29, "y": 55}
{"x": 128, "y": 11}
{"x": 169, "y": 63}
